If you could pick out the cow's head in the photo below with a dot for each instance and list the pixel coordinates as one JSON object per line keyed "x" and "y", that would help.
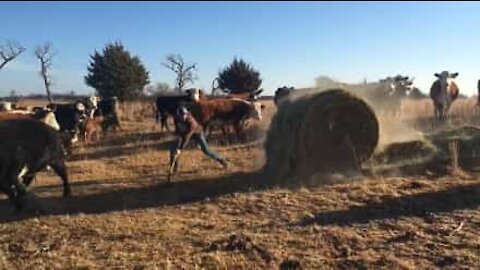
{"x": 51, "y": 120}
{"x": 91, "y": 105}
{"x": 447, "y": 82}
{"x": 397, "y": 86}
{"x": 255, "y": 94}
{"x": 194, "y": 94}
{"x": 256, "y": 110}
{"x": 94, "y": 100}
{"x": 401, "y": 85}
{"x": 80, "y": 107}
{"x": 281, "y": 93}
{"x": 47, "y": 116}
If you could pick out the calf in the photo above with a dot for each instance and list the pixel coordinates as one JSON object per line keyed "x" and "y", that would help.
{"x": 93, "y": 126}
{"x": 26, "y": 147}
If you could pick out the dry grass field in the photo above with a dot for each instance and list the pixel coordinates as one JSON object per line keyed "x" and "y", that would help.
{"x": 122, "y": 215}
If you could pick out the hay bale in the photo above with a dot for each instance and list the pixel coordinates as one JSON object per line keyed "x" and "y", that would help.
{"x": 319, "y": 132}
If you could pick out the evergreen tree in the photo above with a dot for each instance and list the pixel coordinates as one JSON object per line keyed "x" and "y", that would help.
{"x": 115, "y": 72}
{"x": 239, "y": 77}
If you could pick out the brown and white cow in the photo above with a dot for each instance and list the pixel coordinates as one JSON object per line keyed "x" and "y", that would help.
{"x": 443, "y": 93}
{"x": 45, "y": 115}
{"x": 225, "y": 111}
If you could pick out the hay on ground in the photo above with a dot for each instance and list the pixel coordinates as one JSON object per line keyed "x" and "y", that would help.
{"x": 319, "y": 132}
{"x": 406, "y": 152}
{"x": 431, "y": 155}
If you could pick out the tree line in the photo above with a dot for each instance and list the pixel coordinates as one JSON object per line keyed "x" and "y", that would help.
{"x": 114, "y": 71}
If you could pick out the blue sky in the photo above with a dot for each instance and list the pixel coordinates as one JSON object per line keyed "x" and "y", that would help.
{"x": 290, "y": 43}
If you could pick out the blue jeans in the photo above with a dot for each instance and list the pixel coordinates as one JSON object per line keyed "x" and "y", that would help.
{"x": 199, "y": 139}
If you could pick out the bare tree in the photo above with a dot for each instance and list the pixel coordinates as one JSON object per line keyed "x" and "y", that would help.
{"x": 44, "y": 54}
{"x": 185, "y": 72}
{"x": 10, "y": 51}
{"x": 157, "y": 89}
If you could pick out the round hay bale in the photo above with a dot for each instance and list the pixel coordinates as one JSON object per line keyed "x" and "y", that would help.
{"x": 319, "y": 132}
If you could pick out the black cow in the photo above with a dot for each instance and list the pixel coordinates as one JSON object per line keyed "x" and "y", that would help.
{"x": 26, "y": 147}
{"x": 167, "y": 105}
{"x": 70, "y": 117}
{"x": 282, "y": 93}
{"x": 108, "y": 108}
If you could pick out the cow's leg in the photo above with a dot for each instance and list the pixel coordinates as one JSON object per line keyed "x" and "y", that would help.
{"x": 27, "y": 179}
{"x": 32, "y": 169}
{"x": 6, "y": 185}
{"x": 117, "y": 124}
{"x": 164, "y": 122}
{"x": 435, "y": 111}
{"x": 15, "y": 191}
{"x": 61, "y": 170}
{"x": 239, "y": 133}
{"x": 441, "y": 112}
{"x": 225, "y": 133}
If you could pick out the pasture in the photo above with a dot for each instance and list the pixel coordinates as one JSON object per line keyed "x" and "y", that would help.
{"x": 122, "y": 215}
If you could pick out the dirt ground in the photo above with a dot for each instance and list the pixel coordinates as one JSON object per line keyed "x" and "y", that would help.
{"x": 122, "y": 215}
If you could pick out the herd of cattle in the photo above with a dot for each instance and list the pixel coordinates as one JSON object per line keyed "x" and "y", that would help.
{"x": 70, "y": 119}
{"x": 386, "y": 94}
{"x": 32, "y": 139}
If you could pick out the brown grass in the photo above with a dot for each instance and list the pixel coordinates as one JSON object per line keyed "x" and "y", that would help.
{"x": 122, "y": 216}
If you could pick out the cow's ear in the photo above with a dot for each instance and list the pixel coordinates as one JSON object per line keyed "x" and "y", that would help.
{"x": 454, "y": 75}
{"x": 436, "y": 75}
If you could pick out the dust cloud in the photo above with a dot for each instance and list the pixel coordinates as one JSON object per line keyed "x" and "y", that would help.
{"x": 391, "y": 129}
